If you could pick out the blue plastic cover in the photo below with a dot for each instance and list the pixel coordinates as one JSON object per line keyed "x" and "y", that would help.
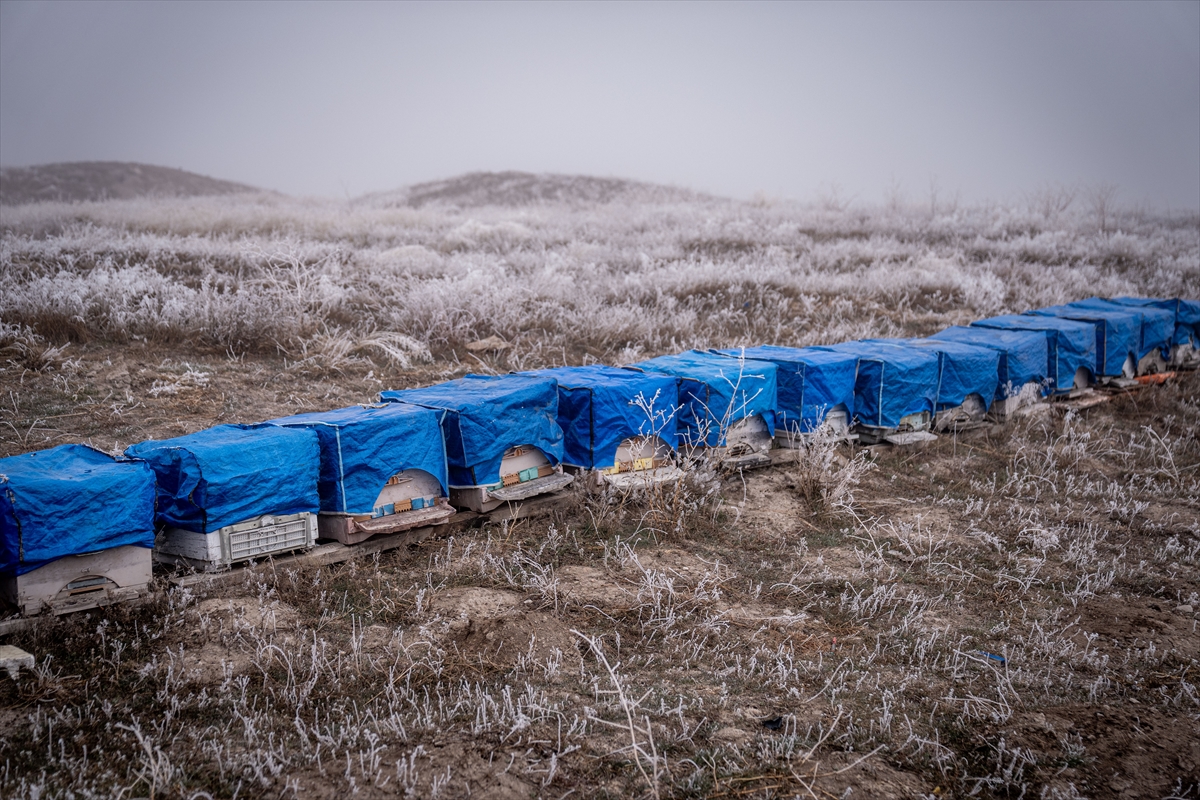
{"x": 71, "y": 500}
{"x": 1118, "y": 332}
{"x": 892, "y": 382}
{"x": 1158, "y": 324}
{"x": 1187, "y": 316}
{"x": 810, "y": 383}
{"x": 233, "y": 473}
{"x": 1072, "y": 345}
{"x": 1024, "y": 355}
{"x": 716, "y": 391}
{"x": 599, "y": 407}
{"x": 363, "y": 446}
{"x": 485, "y": 416}
{"x": 963, "y": 369}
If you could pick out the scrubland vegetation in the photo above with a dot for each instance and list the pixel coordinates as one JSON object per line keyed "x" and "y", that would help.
{"x": 607, "y": 282}
{"x": 1010, "y": 615}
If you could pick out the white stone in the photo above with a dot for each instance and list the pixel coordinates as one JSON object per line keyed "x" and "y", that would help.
{"x": 13, "y": 658}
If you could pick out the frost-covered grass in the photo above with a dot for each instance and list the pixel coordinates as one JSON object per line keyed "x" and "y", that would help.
{"x": 1005, "y": 617}
{"x": 563, "y": 283}
{"x": 830, "y": 626}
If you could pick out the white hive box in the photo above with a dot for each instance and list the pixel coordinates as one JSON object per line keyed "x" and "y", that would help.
{"x": 76, "y": 529}
{"x": 1029, "y": 395}
{"x": 233, "y": 493}
{"x": 918, "y": 423}
{"x": 495, "y": 427}
{"x": 641, "y": 462}
{"x": 79, "y": 582}
{"x": 524, "y": 473}
{"x": 837, "y": 423}
{"x": 971, "y": 414}
{"x": 1185, "y": 356}
{"x": 411, "y": 499}
{"x": 748, "y": 445}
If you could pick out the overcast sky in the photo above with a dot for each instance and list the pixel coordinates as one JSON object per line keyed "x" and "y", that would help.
{"x": 787, "y": 99}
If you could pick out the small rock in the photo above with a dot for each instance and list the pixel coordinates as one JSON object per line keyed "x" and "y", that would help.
{"x": 731, "y": 734}
{"x": 1185, "y": 609}
{"x": 494, "y": 343}
{"x": 13, "y": 658}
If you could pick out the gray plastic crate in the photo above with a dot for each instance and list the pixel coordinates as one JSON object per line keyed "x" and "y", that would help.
{"x": 255, "y": 538}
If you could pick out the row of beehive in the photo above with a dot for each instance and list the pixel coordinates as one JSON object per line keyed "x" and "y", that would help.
{"x": 78, "y": 526}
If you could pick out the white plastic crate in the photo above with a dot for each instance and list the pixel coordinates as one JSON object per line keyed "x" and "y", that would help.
{"x": 78, "y": 582}
{"x": 255, "y": 538}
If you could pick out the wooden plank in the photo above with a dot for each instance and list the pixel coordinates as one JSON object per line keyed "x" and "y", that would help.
{"x": 522, "y": 509}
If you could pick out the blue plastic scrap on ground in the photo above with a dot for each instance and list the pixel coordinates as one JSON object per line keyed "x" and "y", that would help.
{"x": 71, "y": 500}
{"x": 232, "y": 473}
{"x": 1023, "y": 354}
{"x": 963, "y": 369}
{"x": 600, "y": 406}
{"x": 892, "y": 382}
{"x": 716, "y": 391}
{"x": 1072, "y": 345}
{"x": 809, "y": 383}
{"x": 363, "y": 446}
{"x": 485, "y": 416}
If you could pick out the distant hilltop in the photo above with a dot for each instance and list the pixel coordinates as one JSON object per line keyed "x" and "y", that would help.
{"x": 514, "y": 189}
{"x": 105, "y": 180}
{"x": 119, "y": 180}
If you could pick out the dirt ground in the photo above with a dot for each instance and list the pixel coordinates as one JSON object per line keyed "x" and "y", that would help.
{"x": 1004, "y": 614}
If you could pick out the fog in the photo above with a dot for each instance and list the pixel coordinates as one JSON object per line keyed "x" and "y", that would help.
{"x": 872, "y": 101}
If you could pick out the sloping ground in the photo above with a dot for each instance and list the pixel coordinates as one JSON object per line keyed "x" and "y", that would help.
{"x": 105, "y": 180}
{"x": 524, "y": 189}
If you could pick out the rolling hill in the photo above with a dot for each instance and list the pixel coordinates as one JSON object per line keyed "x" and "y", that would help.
{"x": 105, "y": 180}
{"x": 514, "y": 189}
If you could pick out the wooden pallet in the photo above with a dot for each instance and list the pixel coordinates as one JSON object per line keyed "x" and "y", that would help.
{"x": 333, "y": 552}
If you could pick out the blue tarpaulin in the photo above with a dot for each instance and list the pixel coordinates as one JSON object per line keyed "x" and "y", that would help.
{"x": 1118, "y": 332}
{"x": 1072, "y": 345}
{"x": 599, "y": 407}
{"x": 363, "y": 446}
{"x": 810, "y": 383}
{"x": 1187, "y": 316}
{"x": 1158, "y": 324}
{"x": 71, "y": 500}
{"x": 1024, "y": 355}
{"x": 233, "y": 473}
{"x": 963, "y": 369}
{"x": 716, "y": 391}
{"x": 891, "y": 382}
{"x": 485, "y": 416}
